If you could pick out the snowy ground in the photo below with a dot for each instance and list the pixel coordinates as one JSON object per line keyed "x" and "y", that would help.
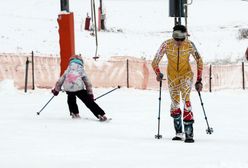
{"x": 53, "y": 139}
{"x": 213, "y": 25}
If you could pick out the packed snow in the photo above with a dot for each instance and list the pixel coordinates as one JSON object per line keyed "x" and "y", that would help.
{"x": 134, "y": 27}
{"x": 53, "y": 139}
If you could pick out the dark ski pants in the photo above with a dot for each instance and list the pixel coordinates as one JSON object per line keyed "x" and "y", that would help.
{"x": 86, "y": 99}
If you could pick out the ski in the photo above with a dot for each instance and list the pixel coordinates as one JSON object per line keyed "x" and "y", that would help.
{"x": 92, "y": 119}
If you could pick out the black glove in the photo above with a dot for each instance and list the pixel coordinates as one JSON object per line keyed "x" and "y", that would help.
{"x": 55, "y": 92}
{"x": 160, "y": 76}
{"x": 198, "y": 85}
{"x": 91, "y": 97}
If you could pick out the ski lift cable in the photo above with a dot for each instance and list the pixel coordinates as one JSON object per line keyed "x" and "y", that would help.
{"x": 186, "y": 12}
{"x": 91, "y": 7}
{"x": 95, "y": 28}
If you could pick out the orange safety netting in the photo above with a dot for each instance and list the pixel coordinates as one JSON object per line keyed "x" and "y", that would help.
{"x": 124, "y": 71}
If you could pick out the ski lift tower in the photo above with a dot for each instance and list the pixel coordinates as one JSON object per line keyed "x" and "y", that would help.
{"x": 66, "y": 35}
{"x": 179, "y": 9}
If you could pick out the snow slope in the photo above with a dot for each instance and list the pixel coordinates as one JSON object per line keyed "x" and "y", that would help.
{"x": 213, "y": 25}
{"x": 53, "y": 139}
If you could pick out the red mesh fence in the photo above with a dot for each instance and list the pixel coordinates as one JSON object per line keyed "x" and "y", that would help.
{"x": 124, "y": 71}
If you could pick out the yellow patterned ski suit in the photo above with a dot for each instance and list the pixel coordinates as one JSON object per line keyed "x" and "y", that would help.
{"x": 179, "y": 73}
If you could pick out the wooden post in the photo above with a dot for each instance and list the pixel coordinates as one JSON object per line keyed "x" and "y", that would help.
{"x": 33, "y": 69}
{"x": 26, "y": 76}
{"x": 210, "y": 78}
{"x": 243, "y": 74}
{"x": 127, "y": 73}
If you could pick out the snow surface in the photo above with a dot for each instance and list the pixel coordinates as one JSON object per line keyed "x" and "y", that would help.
{"x": 144, "y": 24}
{"x": 53, "y": 139}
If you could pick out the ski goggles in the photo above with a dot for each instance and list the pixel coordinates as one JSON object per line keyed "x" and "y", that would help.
{"x": 178, "y": 35}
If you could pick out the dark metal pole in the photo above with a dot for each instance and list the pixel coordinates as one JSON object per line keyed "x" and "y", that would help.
{"x": 127, "y": 73}
{"x": 176, "y": 21}
{"x": 243, "y": 74}
{"x": 26, "y": 76}
{"x": 92, "y": 15}
{"x": 64, "y": 5}
{"x": 102, "y": 17}
{"x": 186, "y": 13}
{"x": 95, "y": 22}
{"x": 210, "y": 78}
{"x": 118, "y": 87}
{"x": 101, "y": 6}
{"x": 209, "y": 130}
{"x": 38, "y": 113}
{"x": 33, "y": 69}
{"x": 180, "y": 14}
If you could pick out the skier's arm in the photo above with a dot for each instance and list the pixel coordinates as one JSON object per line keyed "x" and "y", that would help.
{"x": 60, "y": 82}
{"x": 88, "y": 84}
{"x": 199, "y": 62}
{"x": 159, "y": 55}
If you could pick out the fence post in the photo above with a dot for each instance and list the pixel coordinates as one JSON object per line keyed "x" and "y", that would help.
{"x": 26, "y": 76}
{"x": 210, "y": 78}
{"x": 33, "y": 69}
{"x": 243, "y": 74}
{"x": 127, "y": 73}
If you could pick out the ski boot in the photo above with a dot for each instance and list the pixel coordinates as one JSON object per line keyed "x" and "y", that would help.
{"x": 178, "y": 128}
{"x": 188, "y": 128}
{"x": 102, "y": 117}
{"x": 75, "y": 116}
{"x": 178, "y": 137}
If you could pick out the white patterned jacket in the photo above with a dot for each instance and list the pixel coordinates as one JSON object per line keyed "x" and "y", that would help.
{"x": 74, "y": 78}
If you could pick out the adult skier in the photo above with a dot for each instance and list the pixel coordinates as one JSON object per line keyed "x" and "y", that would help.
{"x": 76, "y": 84}
{"x": 180, "y": 78}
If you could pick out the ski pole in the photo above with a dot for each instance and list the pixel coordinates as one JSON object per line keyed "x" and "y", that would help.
{"x": 158, "y": 136}
{"x": 118, "y": 87}
{"x": 208, "y": 130}
{"x": 38, "y": 113}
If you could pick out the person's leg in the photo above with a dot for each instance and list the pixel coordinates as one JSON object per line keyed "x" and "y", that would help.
{"x": 72, "y": 103}
{"x": 187, "y": 112}
{"x": 188, "y": 121}
{"x": 91, "y": 104}
{"x": 175, "y": 111}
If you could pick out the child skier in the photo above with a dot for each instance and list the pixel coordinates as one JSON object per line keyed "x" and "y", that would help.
{"x": 76, "y": 84}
